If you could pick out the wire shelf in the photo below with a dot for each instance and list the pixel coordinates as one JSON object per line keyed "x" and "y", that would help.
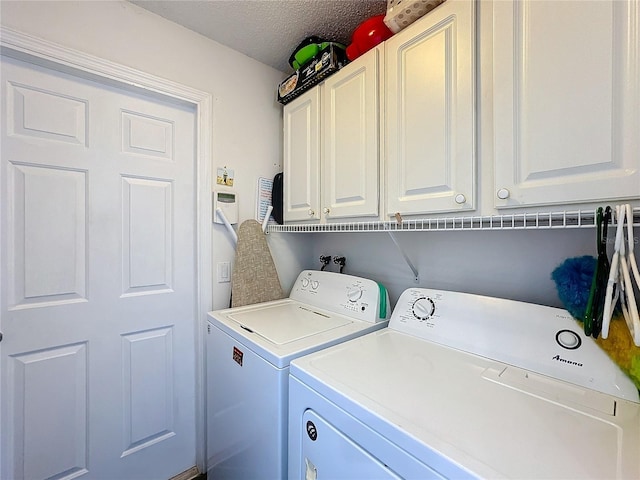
{"x": 517, "y": 221}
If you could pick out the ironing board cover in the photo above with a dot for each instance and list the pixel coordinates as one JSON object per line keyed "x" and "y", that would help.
{"x": 254, "y": 278}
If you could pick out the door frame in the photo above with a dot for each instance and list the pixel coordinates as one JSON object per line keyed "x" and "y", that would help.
{"x": 41, "y": 52}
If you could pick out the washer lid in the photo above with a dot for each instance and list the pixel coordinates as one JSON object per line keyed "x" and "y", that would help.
{"x": 289, "y": 322}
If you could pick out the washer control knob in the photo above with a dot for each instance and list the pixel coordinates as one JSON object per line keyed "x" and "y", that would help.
{"x": 503, "y": 194}
{"x": 423, "y": 308}
{"x": 354, "y": 294}
{"x": 315, "y": 284}
{"x": 305, "y": 282}
{"x": 460, "y": 199}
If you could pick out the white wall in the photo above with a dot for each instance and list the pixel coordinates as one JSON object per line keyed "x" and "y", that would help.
{"x": 292, "y": 253}
{"x": 507, "y": 264}
{"x": 247, "y": 121}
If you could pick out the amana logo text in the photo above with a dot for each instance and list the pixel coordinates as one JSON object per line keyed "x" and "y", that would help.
{"x": 564, "y": 360}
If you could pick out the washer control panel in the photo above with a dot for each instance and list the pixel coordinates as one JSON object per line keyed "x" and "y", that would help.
{"x": 344, "y": 294}
{"x": 537, "y": 338}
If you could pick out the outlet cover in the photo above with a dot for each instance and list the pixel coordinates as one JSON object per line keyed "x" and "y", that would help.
{"x": 224, "y": 272}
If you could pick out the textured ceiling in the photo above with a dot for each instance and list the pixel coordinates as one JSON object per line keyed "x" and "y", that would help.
{"x": 267, "y": 30}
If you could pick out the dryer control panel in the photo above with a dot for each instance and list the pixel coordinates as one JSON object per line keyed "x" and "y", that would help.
{"x": 356, "y": 297}
{"x": 537, "y": 338}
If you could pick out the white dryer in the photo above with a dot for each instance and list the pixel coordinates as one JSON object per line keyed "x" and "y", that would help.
{"x": 464, "y": 386}
{"x": 248, "y": 353}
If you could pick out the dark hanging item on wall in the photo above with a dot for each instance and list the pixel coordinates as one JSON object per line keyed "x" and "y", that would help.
{"x": 324, "y": 260}
{"x": 277, "y": 198}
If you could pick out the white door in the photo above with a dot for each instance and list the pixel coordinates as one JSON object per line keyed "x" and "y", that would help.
{"x": 351, "y": 139}
{"x": 566, "y": 101}
{"x": 301, "y": 119}
{"x": 98, "y": 280}
{"x": 430, "y": 113}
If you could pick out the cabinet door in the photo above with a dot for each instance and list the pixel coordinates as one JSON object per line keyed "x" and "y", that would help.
{"x": 430, "y": 113}
{"x": 566, "y": 101}
{"x": 302, "y": 157}
{"x": 350, "y": 157}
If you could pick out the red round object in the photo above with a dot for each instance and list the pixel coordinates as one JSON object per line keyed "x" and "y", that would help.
{"x": 369, "y": 33}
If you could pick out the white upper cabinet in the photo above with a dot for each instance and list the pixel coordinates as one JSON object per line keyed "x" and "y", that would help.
{"x": 430, "y": 113}
{"x": 301, "y": 121}
{"x": 543, "y": 111}
{"x": 566, "y": 102}
{"x": 332, "y": 145}
{"x": 351, "y": 139}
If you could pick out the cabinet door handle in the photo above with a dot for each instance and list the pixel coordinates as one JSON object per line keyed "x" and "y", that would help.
{"x": 311, "y": 213}
{"x": 503, "y": 194}
{"x": 460, "y": 199}
{"x": 326, "y": 211}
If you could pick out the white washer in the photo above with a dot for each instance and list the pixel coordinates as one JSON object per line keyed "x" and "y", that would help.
{"x": 248, "y": 353}
{"x": 464, "y": 386}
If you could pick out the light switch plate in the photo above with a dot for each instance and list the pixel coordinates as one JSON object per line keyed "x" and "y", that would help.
{"x": 224, "y": 272}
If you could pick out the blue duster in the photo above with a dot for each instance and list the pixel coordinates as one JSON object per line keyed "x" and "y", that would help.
{"x": 573, "y": 282}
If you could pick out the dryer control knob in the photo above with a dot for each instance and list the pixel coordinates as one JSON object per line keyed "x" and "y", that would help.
{"x": 423, "y": 308}
{"x": 305, "y": 282}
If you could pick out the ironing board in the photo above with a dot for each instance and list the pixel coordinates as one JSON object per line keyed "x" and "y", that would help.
{"x": 254, "y": 278}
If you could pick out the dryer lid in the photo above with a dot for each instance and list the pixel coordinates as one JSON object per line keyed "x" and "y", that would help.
{"x": 284, "y": 323}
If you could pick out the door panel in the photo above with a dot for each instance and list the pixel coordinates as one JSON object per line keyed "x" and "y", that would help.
{"x": 56, "y": 444}
{"x": 332, "y": 454}
{"x": 350, "y": 131}
{"x": 566, "y": 102}
{"x": 47, "y": 248}
{"x": 148, "y": 231}
{"x": 98, "y": 280}
{"x": 43, "y": 114}
{"x": 302, "y": 157}
{"x": 148, "y": 392}
{"x": 430, "y": 113}
{"x": 147, "y": 135}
